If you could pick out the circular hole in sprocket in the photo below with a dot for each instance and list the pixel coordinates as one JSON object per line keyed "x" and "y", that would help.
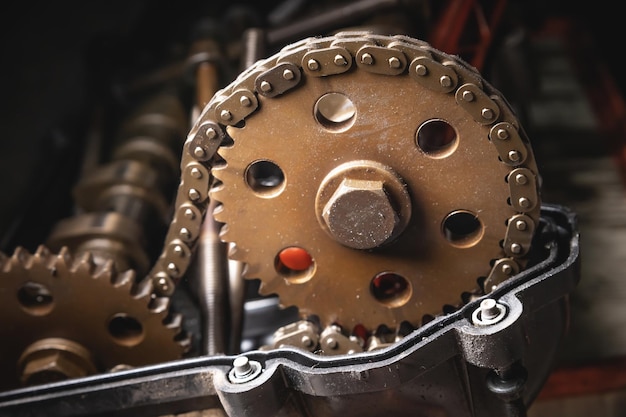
{"x": 335, "y": 112}
{"x": 265, "y": 178}
{"x": 462, "y": 228}
{"x": 125, "y": 330}
{"x": 295, "y": 265}
{"x": 35, "y": 298}
{"x": 436, "y": 138}
{"x": 391, "y": 289}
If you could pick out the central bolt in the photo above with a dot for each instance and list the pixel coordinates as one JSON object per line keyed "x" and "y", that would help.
{"x": 360, "y": 215}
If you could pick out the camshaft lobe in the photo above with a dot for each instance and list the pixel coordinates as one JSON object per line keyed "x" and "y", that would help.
{"x": 424, "y": 117}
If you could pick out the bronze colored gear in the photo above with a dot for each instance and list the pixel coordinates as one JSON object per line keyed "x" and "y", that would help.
{"x": 49, "y": 299}
{"x": 391, "y": 128}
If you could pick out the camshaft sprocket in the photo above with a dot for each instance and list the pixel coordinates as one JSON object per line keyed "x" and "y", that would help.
{"x": 370, "y": 179}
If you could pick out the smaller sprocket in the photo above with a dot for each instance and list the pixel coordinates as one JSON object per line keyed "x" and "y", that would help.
{"x": 65, "y": 316}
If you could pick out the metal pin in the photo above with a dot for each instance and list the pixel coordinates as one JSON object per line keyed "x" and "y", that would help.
{"x": 189, "y": 214}
{"x": 210, "y": 133}
{"x": 467, "y": 95}
{"x": 196, "y": 173}
{"x": 394, "y": 62}
{"x": 194, "y": 194}
{"x": 185, "y": 233}
{"x": 502, "y": 134}
{"x": 521, "y": 179}
{"x": 266, "y": 87}
{"x": 421, "y": 70}
{"x": 523, "y": 202}
{"x": 245, "y": 101}
{"x": 199, "y": 152}
{"x": 521, "y": 225}
{"x": 226, "y": 115}
{"x": 487, "y": 113}
{"x": 514, "y": 156}
{"x": 367, "y": 59}
{"x": 506, "y": 269}
{"x": 446, "y": 82}
{"x": 516, "y": 248}
{"x": 313, "y": 65}
{"x": 340, "y": 60}
{"x": 288, "y": 75}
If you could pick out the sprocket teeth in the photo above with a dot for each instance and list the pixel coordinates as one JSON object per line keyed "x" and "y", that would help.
{"x": 125, "y": 279}
{"x": 143, "y": 290}
{"x": 235, "y": 253}
{"x": 21, "y": 258}
{"x": 219, "y": 213}
{"x": 85, "y": 263}
{"x": 266, "y": 287}
{"x": 224, "y": 232}
{"x": 42, "y": 252}
{"x": 174, "y": 321}
{"x": 159, "y": 306}
{"x": 107, "y": 271}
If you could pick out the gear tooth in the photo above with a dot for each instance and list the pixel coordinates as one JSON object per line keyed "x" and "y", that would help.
{"x": 143, "y": 289}
{"x": 184, "y": 341}
{"x": 107, "y": 271}
{"x": 174, "y": 321}
{"x": 42, "y": 252}
{"x": 85, "y": 263}
{"x": 124, "y": 279}
{"x": 63, "y": 261}
{"x": 224, "y": 232}
{"x": 235, "y": 253}
{"x": 21, "y": 258}
{"x": 266, "y": 288}
{"x": 159, "y": 305}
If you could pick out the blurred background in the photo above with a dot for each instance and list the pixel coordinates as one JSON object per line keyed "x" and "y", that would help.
{"x": 559, "y": 63}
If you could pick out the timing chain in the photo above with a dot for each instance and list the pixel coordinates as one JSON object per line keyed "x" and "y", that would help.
{"x": 328, "y": 56}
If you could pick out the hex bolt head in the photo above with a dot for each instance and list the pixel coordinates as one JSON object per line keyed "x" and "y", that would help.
{"x": 360, "y": 215}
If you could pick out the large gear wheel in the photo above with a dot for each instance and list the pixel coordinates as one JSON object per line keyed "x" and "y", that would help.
{"x": 66, "y": 317}
{"x": 371, "y": 180}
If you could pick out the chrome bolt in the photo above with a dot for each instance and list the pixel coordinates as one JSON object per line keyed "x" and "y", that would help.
{"x": 244, "y": 370}
{"x": 489, "y": 312}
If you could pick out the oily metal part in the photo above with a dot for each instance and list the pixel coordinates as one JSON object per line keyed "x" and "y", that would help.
{"x": 396, "y": 90}
{"x": 69, "y": 316}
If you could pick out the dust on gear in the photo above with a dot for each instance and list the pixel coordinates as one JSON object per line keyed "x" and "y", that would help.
{"x": 395, "y": 168}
